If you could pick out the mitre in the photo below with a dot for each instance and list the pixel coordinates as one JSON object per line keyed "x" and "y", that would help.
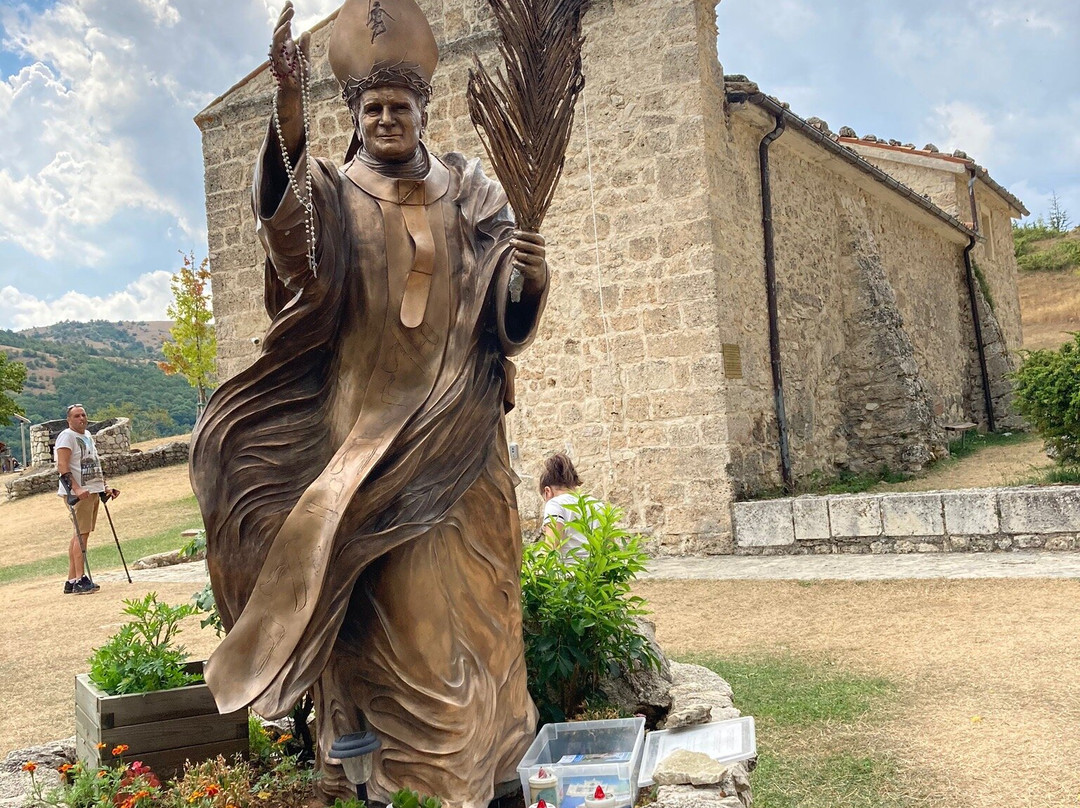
{"x": 380, "y": 42}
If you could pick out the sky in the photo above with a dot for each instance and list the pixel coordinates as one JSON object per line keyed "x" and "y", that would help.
{"x": 101, "y": 162}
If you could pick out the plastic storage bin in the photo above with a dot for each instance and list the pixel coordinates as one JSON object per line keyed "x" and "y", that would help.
{"x": 585, "y": 754}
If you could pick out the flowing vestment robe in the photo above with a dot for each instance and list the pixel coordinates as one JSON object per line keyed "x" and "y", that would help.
{"x": 362, "y": 531}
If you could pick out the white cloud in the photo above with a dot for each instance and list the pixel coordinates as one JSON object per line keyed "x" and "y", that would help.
{"x": 958, "y": 125}
{"x": 146, "y": 298}
{"x": 1010, "y": 15}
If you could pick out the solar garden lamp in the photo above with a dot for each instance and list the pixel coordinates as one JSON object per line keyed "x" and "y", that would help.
{"x": 353, "y": 752}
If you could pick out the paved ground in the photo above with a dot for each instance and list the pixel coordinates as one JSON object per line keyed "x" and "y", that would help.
{"x": 1034, "y": 564}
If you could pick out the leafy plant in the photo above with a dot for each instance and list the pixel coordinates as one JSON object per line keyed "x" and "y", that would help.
{"x": 131, "y": 785}
{"x": 194, "y": 546}
{"x": 1047, "y": 393}
{"x": 205, "y": 603}
{"x": 578, "y": 614}
{"x": 407, "y": 798}
{"x": 142, "y": 656}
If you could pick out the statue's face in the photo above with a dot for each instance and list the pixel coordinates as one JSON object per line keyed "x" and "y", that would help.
{"x": 391, "y": 120}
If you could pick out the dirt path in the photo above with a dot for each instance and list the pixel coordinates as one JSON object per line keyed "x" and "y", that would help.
{"x": 987, "y": 710}
{"x": 1007, "y": 464}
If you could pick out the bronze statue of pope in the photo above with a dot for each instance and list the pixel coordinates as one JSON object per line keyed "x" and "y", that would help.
{"x": 362, "y": 530}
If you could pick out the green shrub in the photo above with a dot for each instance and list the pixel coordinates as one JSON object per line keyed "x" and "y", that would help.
{"x": 196, "y": 545}
{"x": 578, "y": 616}
{"x": 205, "y": 603}
{"x": 1047, "y": 393}
{"x": 1061, "y": 255}
{"x": 1025, "y": 235}
{"x": 142, "y": 656}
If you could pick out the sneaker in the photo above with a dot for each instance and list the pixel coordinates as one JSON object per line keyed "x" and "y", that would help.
{"x": 69, "y": 587}
{"x": 84, "y": 586}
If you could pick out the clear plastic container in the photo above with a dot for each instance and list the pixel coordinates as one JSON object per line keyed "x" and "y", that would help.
{"x": 723, "y": 741}
{"x": 585, "y": 754}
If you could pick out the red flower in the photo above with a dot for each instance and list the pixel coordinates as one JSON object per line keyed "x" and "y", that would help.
{"x": 29, "y": 766}
{"x": 119, "y": 749}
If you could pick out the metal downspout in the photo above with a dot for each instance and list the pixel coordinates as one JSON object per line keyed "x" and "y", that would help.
{"x": 969, "y": 272}
{"x": 770, "y": 296}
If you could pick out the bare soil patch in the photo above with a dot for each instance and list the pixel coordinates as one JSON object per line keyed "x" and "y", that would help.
{"x": 1049, "y": 307}
{"x": 987, "y": 704}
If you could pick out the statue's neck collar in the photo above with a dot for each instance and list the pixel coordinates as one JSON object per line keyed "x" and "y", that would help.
{"x": 421, "y": 180}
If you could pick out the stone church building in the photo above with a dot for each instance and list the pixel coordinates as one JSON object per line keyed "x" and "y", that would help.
{"x": 740, "y": 298}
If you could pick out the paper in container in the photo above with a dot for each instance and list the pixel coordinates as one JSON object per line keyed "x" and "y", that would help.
{"x": 724, "y": 741}
{"x": 586, "y": 754}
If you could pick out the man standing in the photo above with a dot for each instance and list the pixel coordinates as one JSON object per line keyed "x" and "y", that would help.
{"x": 362, "y": 530}
{"x": 81, "y": 479}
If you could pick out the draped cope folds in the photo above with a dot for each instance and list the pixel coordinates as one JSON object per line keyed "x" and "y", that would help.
{"x": 361, "y": 523}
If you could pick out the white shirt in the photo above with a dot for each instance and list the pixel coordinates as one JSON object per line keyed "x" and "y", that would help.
{"x": 557, "y": 513}
{"x": 85, "y": 464}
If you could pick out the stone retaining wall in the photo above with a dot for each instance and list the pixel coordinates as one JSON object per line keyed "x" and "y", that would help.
{"x": 982, "y": 520}
{"x": 111, "y": 437}
{"x": 46, "y": 479}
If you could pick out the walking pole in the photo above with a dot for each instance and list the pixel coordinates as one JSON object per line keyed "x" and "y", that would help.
{"x": 71, "y": 499}
{"x": 105, "y": 502}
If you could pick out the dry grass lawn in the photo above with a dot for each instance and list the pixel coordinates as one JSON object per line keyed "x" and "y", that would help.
{"x": 1049, "y": 307}
{"x": 988, "y": 711}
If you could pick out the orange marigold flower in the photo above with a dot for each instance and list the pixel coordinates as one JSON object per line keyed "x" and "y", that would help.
{"x": 119, "y": 749}
{"x": 101, "y": 773}
{"x": 65, "y": 768}
{"x": 212, "y": 791}
{"x": 101, "y": 745}
{"x": 194, "y": 796}
{"x": 284, "y": 738}
{"x": 29, "y": 766}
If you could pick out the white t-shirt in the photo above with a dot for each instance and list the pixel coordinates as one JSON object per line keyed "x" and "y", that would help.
{"x": 556, "y": 508}
{"x": 85, "y": 463}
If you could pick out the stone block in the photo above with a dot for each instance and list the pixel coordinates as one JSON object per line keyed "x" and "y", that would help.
{"x": 767, "y": 523}
{"x": 970, "y": 513}
{"x": 811, "y": 518}
{"x": 855, "y": 516}
{"x": 912, "y": 515}
{"x": 1040, "y": 510}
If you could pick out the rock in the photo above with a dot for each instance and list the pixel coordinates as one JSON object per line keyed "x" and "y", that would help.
{"x": 642, "y": 690}
{"x": 166, "y": 559}
{"x": 693, "y": 684}
{"x": 688, "y": 716}
{"x": 15, "y": 784}
{"x": 683, "y": 767}
{"x": 818, "y": 124}
{"x": 961, "y": 154}
{"x": 692, "y": 797}
{"x": 847, "y": 131}
{"x": 870, "y": 138}
{"x": 909, "y": 145}
{"x": 930, "y": 147}
{"x": 894, "y": 142}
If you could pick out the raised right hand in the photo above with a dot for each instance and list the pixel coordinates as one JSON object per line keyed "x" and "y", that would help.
{"x": 285, "y": 55}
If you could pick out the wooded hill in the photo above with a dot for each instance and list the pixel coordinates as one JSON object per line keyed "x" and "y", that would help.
{"x": 105, "y": 366}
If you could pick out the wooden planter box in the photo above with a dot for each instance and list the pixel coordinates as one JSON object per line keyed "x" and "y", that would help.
{"x": 162, "y": 729}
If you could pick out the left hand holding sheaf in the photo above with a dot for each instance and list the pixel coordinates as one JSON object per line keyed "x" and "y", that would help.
{"x": 529, "y": 258}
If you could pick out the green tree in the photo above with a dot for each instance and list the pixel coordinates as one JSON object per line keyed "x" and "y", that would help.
{"x": 192, "y": 352}
{"x": 1058, "y": 218}
{"x": 12, "y": 378}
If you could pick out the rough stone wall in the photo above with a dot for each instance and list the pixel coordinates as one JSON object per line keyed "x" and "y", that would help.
{"x": 110, "y": 437}
{"x": 37, "y": 481}
{"x": 876, "y": 341}
{"x": 625, "y": 371}
{"x": 996, "y": 262}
